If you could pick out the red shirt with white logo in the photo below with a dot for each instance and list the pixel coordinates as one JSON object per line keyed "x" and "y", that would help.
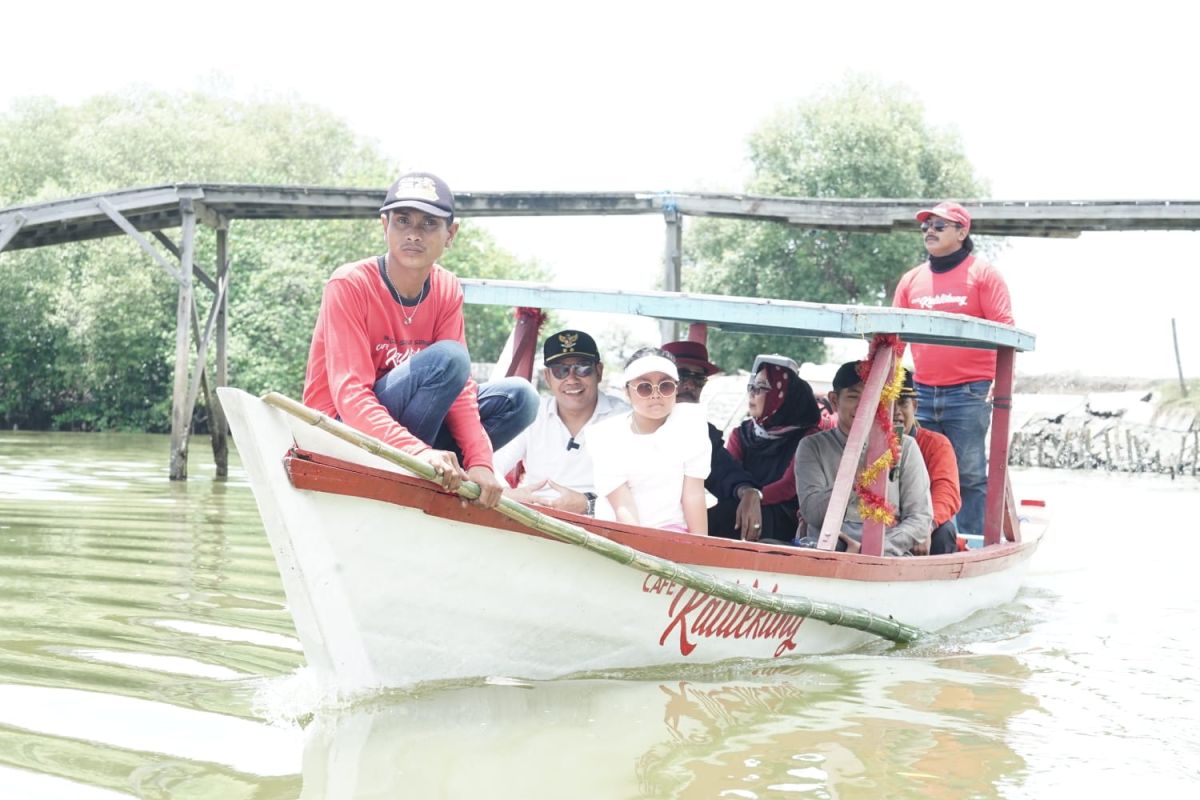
{"x": 361, "y": 335}
{"x": 974, "y": 288}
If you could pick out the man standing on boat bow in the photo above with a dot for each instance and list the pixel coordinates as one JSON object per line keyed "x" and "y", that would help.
{"x": 954, "y": 384}
{"x": 389, "y": 351}
{"x": 552, "y": 454}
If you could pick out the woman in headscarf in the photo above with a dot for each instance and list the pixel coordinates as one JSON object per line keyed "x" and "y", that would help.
{"x": 782, "y": 411}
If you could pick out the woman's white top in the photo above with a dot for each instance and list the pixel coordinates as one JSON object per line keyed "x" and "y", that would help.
{"x": 653, "y": 464}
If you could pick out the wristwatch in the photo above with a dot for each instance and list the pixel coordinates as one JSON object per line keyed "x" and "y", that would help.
{"x": 591, "y": 503}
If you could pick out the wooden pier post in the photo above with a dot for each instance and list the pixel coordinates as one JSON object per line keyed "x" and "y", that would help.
{"x": 672, "y": 265}
{"x": 216, "y": 415}
{"x": 181, "y": 414}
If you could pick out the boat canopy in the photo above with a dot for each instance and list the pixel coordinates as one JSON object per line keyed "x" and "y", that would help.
{"x": 759, "y": 315}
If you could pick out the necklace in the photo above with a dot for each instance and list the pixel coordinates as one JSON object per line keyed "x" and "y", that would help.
{"x": 408, "y": 318}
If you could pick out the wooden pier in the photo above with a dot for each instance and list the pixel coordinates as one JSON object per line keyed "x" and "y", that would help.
{"x": 146, "y": 213}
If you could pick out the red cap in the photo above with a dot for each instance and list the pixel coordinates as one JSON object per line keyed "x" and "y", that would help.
{"x": 691, "y": 354}
{"x": 951, "y": 211}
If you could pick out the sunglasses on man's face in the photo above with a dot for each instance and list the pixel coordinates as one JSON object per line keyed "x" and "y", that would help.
{"x": 687, "y": 376}
{"x": 647, "y": 389}
{"x": 561, "y": 371}
{"x": 938, "y": 225}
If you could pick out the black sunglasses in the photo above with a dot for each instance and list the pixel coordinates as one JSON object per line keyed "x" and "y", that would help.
{"x": 646, "y": 388}
{"x": 938, "y": 225}
{"x": 688, "y": 376}
{"x": 561, "y": 371}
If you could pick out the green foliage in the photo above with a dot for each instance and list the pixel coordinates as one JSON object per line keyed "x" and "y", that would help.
{"x": 87, "y": 331}
{"x": 861, "y": 139}
{"x": 475, "y": 255}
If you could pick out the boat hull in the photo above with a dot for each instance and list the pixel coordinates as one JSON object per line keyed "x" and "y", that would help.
{"x": 393, "y": 583}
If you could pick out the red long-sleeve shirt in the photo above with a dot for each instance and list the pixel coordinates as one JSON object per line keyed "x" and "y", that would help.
{"x": 361, "y": 335}
{"x": 942, "y": 465}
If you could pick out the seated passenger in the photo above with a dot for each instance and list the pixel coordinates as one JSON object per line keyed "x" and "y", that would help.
{"x": 651, "y": 462}
{"x": 782, "y": 411}
{"x": 552, "y": 456}
{"x": 728, "y": 481}
{"x": 938, "y": 454}
{"x": 817, "y": 460}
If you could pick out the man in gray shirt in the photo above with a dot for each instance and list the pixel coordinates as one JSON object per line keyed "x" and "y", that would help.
{"x": 817, "y": 460}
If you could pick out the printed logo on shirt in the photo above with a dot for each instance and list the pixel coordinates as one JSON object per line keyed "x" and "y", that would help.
{"x": 945, "y": 299}
{"x": 397, "y": 351}
{"x": 394, "y": 356}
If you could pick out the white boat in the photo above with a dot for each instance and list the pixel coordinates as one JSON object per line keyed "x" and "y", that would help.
{"x": 392, "y": 582}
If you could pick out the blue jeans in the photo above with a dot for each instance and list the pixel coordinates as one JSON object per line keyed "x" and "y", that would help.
{"x": 419, "y": 392}
{"x": 963, "y": 414}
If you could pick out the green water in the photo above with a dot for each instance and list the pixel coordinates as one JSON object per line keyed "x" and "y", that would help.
{"x": 146, "y": 651}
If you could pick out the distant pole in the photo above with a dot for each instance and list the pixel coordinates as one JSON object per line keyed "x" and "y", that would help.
{"x": 672, "y": 265}
{"x": 1178, "y": 362}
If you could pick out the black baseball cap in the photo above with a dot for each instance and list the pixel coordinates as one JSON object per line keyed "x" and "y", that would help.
{"x": 847, "y": 376}
{"x": 569, "y": 343}
{"x": 423, "y": 191}
{"x": 908, "y": 389}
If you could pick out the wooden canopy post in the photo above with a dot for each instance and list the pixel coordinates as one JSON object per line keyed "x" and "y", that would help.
{"x": 843, "y": 485}
{"x": 181, "y": 416}
{"x": 524, "y": 340}
{"x": 672, "y": 264}
{"x": 217, "y": 424}
{"x": 997, "y": 485}
{"x": 877, "y": 445}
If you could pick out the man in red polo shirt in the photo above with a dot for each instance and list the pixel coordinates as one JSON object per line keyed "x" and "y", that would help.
{"x": 389, "y": 351}
{"x": 938, "y": 455}
{"x": 954, "y": 384}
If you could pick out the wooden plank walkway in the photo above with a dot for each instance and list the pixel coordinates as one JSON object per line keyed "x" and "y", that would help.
{"x": 144, "y": 213}
{"x": 157, "y": 208}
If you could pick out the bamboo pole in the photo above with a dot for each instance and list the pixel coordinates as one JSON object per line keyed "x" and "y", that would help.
{"x": 830, "y": 613}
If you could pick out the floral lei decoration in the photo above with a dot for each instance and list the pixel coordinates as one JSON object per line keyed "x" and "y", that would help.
{"x": 871, "y": 506}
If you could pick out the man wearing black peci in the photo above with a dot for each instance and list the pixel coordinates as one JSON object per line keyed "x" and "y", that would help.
{"x": 549, "y": 462}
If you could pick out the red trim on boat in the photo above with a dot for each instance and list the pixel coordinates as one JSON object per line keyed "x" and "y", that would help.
{"x": 321, "y": 473}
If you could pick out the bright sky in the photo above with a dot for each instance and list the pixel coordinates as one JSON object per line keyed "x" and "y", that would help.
{"x": 1053, "y": 101}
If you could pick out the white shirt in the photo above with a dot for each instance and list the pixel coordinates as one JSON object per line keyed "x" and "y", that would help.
{"x": 653, "y": 464}
{"x": 545, "y": 447}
